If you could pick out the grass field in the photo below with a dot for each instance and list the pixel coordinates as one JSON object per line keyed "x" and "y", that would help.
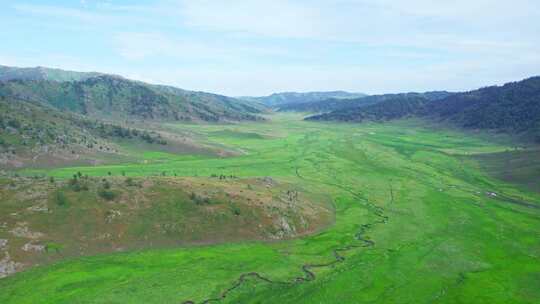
{"x": 415, "y": 223}
{"x": 516, "y": 166}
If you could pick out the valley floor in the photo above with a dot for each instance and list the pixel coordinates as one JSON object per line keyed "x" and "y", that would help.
{"x": 416, "y": 222}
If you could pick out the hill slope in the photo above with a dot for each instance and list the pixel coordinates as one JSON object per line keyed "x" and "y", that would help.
{"x": 116, "y": 97}
{"x": 353, "y": 105}
{"x": 513, "y": 107}
{"x": 36, "y": 135}
{"x": 42, "y": 73}
{"x": 94, "y": 215}
{"x": 387, "y": 109}
{"x": 278, "y": 99}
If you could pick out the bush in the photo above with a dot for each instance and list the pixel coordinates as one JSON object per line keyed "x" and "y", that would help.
{"x": 129, "y": 181}
{"x": 61, "y": 199}
{"x": 80, "y": 187}
{"x": 107, "y": 194}
{"x": 53, "y": 247}
{"x": 14, "y": 123}
{"x": 106, "y": 185}
{"x": 235, "y": 210}
{"x": 199, "y": 200}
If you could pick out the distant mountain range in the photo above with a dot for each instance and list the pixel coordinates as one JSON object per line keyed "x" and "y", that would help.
{"x": 109, "y": 96}
{"x": 332, "y": 104}
{"x": 278, "y": 99}
{"x": 513, "y": 107}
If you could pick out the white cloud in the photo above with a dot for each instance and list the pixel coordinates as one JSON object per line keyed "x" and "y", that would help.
{"x": 278, "y": 18}
{"x": 60, "y": 12}
{"x": 143, "y": 45}
{"x": 416, "y": 23}
{"x": 244, "y": 47}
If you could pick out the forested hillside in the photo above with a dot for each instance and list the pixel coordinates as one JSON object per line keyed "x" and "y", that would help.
{"x": 353, "y": 105}
{"x": 513, "y": 107}
{"x": 387, "y": 109}
{"x": 116, "y": 97}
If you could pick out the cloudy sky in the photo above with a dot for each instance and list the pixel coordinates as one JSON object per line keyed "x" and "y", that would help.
{"x": 241, "y": 47}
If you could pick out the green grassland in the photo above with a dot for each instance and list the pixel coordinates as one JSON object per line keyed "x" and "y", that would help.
{"x": 415, "y": 222}
{"x": 516, "y": 166}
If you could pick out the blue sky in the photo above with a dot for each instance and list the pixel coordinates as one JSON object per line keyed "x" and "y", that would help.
{"x": 241, "y": 47}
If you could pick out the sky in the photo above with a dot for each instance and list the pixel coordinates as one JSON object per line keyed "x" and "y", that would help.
{"x": 241, "y": 47}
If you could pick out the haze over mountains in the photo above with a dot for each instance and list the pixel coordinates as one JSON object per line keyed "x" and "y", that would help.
{"x": 333, "y": 104}
{"x": 287, "y": 98}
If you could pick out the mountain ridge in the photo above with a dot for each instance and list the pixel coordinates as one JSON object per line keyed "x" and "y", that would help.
{"x": 329, "y": 105}
{"x": 511, "y": 108}
{"x": 112, "y": 96}
{"x": 277, "y": 99}
{"x": 43, "y": 73}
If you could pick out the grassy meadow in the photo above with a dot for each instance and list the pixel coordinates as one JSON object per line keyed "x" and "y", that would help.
{"x": 416, "y": 221}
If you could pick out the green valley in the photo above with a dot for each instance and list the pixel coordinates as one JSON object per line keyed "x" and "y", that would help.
{"x": 269, "y": 152}
{"x": 418, "y": 218}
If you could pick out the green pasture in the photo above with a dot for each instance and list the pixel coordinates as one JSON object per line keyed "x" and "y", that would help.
{"x": 438, "y": 235}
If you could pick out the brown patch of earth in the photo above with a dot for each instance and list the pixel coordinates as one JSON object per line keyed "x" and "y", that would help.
{"x": 43, "y": 221}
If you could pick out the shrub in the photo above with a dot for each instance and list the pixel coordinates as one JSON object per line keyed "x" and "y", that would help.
{"x": 61, "y": 199}
{"x": 235, "y": 210}
{"x": 14, "y": 123}
{"x": 107, "y": 194}
{"x": 76, "y": 185}
{"x": 106, "y": 185}
{"x": 50, "y": 247}
{"x": 199, "y": 200}
{"x": 129, "y": 181}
